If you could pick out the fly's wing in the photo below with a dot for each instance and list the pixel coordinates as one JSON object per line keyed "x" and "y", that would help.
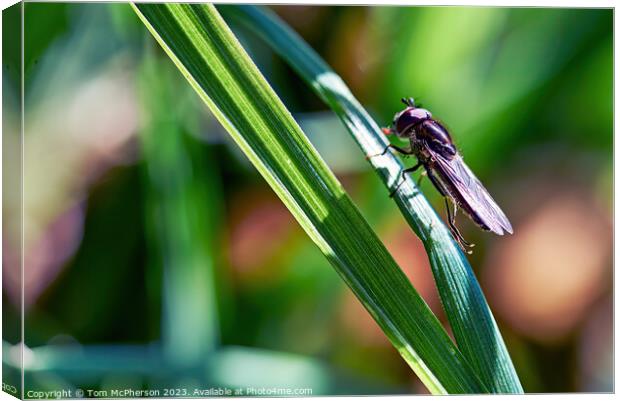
{"x": 475, "y": 200}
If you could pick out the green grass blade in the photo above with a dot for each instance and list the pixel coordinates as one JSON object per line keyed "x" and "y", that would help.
{"x": 209, "y": 56}
{"x": 470, "y": 317}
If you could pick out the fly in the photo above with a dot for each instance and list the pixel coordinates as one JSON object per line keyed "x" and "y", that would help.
{"x": 433, "y": 147}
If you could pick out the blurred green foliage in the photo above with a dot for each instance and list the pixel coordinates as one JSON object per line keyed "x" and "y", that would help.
{"x": 527, "y": 94}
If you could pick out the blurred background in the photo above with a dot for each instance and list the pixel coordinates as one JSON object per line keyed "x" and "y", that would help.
{"x": 157, "y": 257}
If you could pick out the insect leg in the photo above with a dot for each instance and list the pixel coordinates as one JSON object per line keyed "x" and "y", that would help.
{"x": 396, "y": 148}
{"x": 455, "y": 231}
{"x": 452, "y": 226}
{"x": 451, "y": 216}
{"x": 468, "y": 244}
{"x": 402, "y": 175}
{"x": 435, "y": 182}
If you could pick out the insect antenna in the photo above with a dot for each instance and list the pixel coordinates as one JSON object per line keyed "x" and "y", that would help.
{"x": 408, "y": 101}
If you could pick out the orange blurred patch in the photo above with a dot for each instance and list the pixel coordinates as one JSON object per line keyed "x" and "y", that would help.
{"x": 352, "y": 53}
{"x": 359, "y": 324}
{"x": 261, "y": 229}
{"x": 544, "y": 279}
{"x": 307, "y": 21}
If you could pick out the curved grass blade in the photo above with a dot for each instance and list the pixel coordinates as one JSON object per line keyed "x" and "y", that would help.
{"x": 209, "y": 56}
{"x": 472, "y": 322}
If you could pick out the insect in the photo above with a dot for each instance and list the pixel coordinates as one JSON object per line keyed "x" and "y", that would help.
{"x": 433, "y": 147}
